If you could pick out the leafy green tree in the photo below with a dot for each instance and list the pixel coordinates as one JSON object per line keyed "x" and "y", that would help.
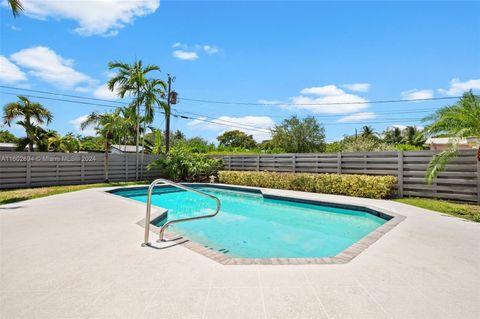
{"x": 364, "y": 144}
{"x": 7, "y": 137}
{"x": 299, "y": 136}
{"x": 196, "y": 145}
{"x": 91, "y": 143}
{"x": 334, "y": 147}
{"x": 131, "y": 79}
{"x": 458, "y": 121}
{"x": 236, "y": 138}
{"x": 31, "y": 115}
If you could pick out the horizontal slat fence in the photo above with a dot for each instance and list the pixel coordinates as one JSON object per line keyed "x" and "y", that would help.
{"x": 23, "y": 169}
{"x": 460, "y": 181}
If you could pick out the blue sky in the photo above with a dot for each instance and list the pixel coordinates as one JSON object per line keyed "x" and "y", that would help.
{"x": 273, "y": 54}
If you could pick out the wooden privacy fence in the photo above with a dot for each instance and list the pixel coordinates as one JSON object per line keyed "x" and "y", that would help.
{"x": 23, "y": 169}
{"x": 460, "y": 181}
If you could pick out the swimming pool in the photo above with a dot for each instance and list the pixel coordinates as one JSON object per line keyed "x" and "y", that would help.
{"x": 251, "y": 225}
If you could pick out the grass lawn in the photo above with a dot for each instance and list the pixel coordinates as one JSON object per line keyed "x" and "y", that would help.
{"x": 17, "y": 195}
{"x": 467, "y": 211}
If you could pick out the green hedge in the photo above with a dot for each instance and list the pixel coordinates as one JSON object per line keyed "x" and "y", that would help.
{"x": 339, "y": 184}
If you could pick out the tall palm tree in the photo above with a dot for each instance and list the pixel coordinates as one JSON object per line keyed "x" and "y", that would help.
{"x": 107, "y": 125}
{"x": 16, "y": 7}
{"x": 31, "y": 115}
{"x": 458, "y": 121}
{"x": 153, "y": 95}
{"x": 131, "y": 80}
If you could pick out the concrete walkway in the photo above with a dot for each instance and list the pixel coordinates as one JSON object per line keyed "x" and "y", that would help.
{"x": 78, "y": 255}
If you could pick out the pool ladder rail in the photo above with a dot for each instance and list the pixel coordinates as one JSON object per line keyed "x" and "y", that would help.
{"x": 162, "y": 229}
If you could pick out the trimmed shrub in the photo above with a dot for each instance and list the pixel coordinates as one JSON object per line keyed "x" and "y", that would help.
{"x": 338, "y": 184}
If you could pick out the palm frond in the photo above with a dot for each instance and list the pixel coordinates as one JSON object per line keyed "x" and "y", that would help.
{"x": 439, "y": 162}
{"x": 16, "y": 7}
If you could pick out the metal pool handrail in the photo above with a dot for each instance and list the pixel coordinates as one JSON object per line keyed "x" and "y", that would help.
{"x": 149, "y": 206}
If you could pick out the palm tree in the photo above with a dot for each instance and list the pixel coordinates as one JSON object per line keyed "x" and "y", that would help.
{"x": 107, "y": 125}
{"x": 16, "y": 7}
{"x": 413, "y": 136}
{"x": 458, "y": 121}
{"x": 67, "y": 143}
{"x": 131, "y": 80}
{"x": 153, "y": 94}
{"x": 393, "y": 136}
{"x": 367, "y": 131}
{"x": 32, "y": 114}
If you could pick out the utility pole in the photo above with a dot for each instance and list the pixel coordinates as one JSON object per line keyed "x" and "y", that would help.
{"x": 171, "y": 99}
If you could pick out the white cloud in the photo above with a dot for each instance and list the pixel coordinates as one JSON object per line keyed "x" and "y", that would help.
{"x": 358, "y": 117}
{"x": 458, "y": 87}
{"x": 192, "y": 52}
{"x": 323, "y": 90}
{"x": 210, "y": 49}
{"x": 357, "y": 87}
{"x": 328, "y": 99}
{"x": 99, "y": 17}
{"x": 102, "y": 92}
{"x": 13, "y": 27}
{"x": 270, "y": 102}
{"x": 47, "y": 65}
{"x": 417, "y": 94}
{"x": 9, "y": 72}
{"x": 261, "y": 125}
{"x": 77, "y": 122}
{"x": 179, "y": 45}
{"x": 185, "y": 55}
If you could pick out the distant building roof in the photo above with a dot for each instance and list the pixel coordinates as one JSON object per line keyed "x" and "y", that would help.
{"x": 8, "y": 146}
{"x": 450, "y": 140}
{"x": 125, "y": 148}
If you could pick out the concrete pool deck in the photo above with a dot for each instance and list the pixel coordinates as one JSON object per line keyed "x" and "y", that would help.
{"x": 78, "y": 255}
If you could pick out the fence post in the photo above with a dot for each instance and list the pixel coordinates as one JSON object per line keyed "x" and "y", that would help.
{"x": 339, "y": 163}
{"x": 400, "y": 174}
{"x": 258, "y": 162}
{"x": 29, "y": 171}
{"x": 294, "y": 163}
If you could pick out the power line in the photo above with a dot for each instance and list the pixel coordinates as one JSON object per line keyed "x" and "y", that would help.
{"x": 320, "y": 104}
{"x": 61, "y": 100}
{"x": 61, "y": 94}
{"x": 322, "y": 116}
{"x": 112, "y": 106}
{"x": 217, "y": 121}
{"x": 251, "y": 128}
{"x": 247, "y": 103}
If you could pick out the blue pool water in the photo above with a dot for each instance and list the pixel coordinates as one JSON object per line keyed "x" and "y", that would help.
{"x": 251, "y": 226}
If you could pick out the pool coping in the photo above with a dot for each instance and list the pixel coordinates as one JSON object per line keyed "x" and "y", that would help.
{"x": 345, "y": 256}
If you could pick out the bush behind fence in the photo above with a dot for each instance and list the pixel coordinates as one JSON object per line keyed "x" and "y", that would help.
{"x": 459, "y": 182}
